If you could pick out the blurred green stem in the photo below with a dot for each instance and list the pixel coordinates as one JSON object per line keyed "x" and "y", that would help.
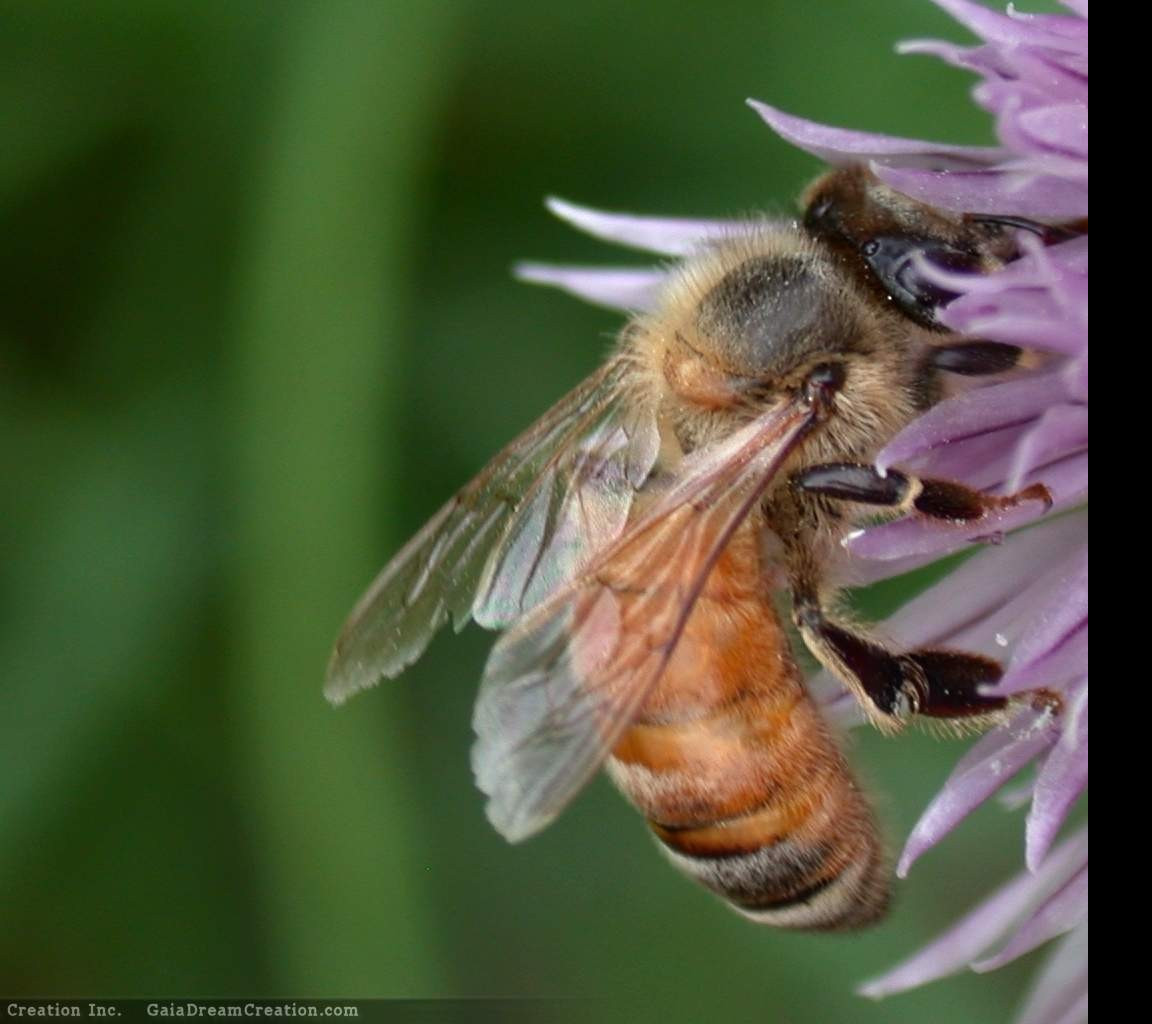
{"x": 324, "y": 279}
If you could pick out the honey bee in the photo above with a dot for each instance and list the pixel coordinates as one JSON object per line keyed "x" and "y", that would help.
{"x": 632, "y": 542}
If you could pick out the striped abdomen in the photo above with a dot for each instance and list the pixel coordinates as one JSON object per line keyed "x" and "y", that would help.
{"x": 740, "y": 777}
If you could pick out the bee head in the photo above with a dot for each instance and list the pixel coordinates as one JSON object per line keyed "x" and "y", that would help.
{"x": 885, "y": 239}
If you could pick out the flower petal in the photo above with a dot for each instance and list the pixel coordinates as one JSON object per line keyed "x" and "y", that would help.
{"x": 1060, "y": 782}
{"x": 1053, "y": 268}
{"x": 972, "y": 414}
{"x": 1060, "y": 32}
{"x": 982, "y": 927}
{"x": 992, "y": 762}
{"x": 1060, "y": 913}
{"x": 1021, "y": 192}
{"x": 1061, "y": 992}
{"x": 1063, "y": 128}
{"x": 1060, "y": 430}
{"x": 965, "y": 607}
{"x": 669, "y": 236}
{"x": 1058, "y": 612}
{"x": 624, "y": 288}
{"x": 1057, "y": 669}
{"x": 841, "y": 146}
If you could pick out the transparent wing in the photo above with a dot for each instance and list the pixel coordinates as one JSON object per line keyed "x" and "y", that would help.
{"x": 516, "y": 532}
{"x": 566, "y": 680}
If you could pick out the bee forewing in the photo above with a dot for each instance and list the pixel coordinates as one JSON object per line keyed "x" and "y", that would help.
{"x": 577, "y": 506}
{"x": 566, "y": 680}
{"x": 515, "y": 533}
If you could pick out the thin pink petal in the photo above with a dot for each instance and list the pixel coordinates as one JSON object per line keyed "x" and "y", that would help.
{"x": 982, "y": 927}
{"x": 1056, "y": 669}
{"x": 631, "y": 290}
{"x": 841, "y": 146}
{"x": 1057, "y": 31}
{"x": 1060, "y": 612}
{"x": 669, "y": 236}
{"x": 1062, "y": 429}
{"x": 1024, "y": 193}
{"x": 982, "y": 411}
{"x": 1060, "y": 995}
{"x": 972, "y": 593}
{"x": 1012, "y": 798}
{"x": 1060, "y": 782}
{"x": 1060, "y": 913}
{"x": 992, "y": 762}
{"x": 1062, "y": 127}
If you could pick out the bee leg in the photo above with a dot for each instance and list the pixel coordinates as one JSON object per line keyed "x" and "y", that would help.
{"x": 952, "y": 682}
{"x": 937, "y": 499}
{"x": 976, "y": 358}
{"x": 876, "y": 677}
{"x": 893, "y": 687}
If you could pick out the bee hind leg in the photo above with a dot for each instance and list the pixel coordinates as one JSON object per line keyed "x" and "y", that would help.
{"x": 936, "y": 683}
{"x": 937, "y": 499}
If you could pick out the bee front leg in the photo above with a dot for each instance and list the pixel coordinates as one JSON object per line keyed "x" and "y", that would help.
{"x": 977, "y": 358}
{"x": 937, "y": 499}
{"x": 893, "y": 687}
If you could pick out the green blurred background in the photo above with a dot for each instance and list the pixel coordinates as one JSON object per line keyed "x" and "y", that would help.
{"x": 256, "y": 324}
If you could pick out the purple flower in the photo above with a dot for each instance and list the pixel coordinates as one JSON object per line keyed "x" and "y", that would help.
{"x": 1023, "y": 601}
